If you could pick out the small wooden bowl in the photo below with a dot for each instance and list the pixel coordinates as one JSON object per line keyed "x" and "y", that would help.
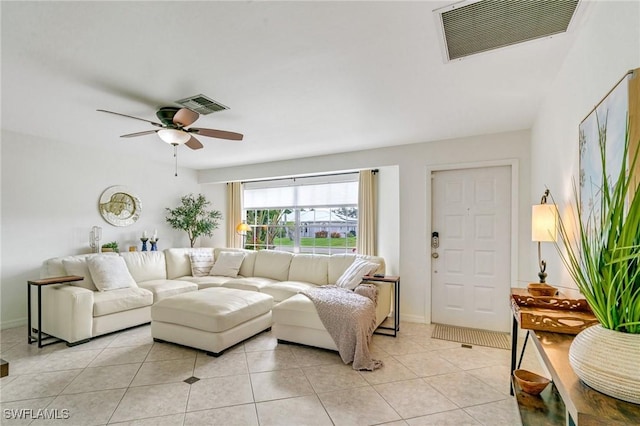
{"x": 541, "y": 289}
{"x": 530, "y": 382}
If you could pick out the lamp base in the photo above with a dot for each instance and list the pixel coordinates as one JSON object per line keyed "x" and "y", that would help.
{"x": 543, "y": 277}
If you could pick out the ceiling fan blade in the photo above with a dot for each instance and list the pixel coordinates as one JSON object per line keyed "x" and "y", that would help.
{"x": 194, "y": 143}
{"x": 185, "y": 117}
{"x": 133, "y": 135}
{"x": 213, "y": 133}
{"x": 130, "y": 116}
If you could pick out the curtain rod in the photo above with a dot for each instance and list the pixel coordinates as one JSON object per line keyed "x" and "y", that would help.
{"x": 374, "y": 171}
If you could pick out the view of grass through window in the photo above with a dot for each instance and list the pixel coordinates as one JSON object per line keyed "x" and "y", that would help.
{"x": 308, "y": 215}
{"x": 310, "y": 230}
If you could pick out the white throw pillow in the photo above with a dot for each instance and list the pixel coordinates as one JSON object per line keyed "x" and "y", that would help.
{"x": 228, "y": 264}
{"x": 201, "y": 262}
{"x": 110, "y": 273}
{"x": 79, "y": 267}
{"x": 354, "y": 273}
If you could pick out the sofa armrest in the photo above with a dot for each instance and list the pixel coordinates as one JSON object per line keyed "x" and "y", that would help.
{"x": 67, "y": 312}
{"x": 384, "y": 308}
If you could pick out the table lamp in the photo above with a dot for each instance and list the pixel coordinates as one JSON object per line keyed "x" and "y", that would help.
{"x": 544, "y": 220}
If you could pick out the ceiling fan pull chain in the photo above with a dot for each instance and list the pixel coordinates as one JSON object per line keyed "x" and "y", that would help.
{"x": 175, "y": 155}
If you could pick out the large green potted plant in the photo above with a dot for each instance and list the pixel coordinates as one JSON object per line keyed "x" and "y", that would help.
{"x": 193, "y": 217}
{"x": 602, "y": 254}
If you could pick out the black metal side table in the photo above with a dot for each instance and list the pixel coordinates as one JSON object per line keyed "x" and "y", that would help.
{"x": 39, "y": 284}
{"x": 395, "y": 280}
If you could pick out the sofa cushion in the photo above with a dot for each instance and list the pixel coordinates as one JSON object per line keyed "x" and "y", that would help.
{"x": 272, "y": 264}
{"x": 206, "y": 282}
{"x": 166, "y": 288}
{"x": 201, "y": 262}
{"x": 311, "y": 268}
{"x": 338, "y": 263}
{"x": 178, "y": 262}
{"x": 78, "y": 266}
{"x": 248, "y": 283}
{"x": 124, "y": 299}
{"x": 248, "y": 263}
{"x": 213, "y": 309}
{"x": 110, "y": 273}
{"x": 283, "y": 290}
{"x": 354, "y": 273}
{"x": 54, "y": 268}
{"x": 297, "y": 310}
{"x": 227, "y": 264}
{"x": 145, "y": 265}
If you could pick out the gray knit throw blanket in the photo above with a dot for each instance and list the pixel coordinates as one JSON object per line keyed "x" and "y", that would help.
{"x": 350, "y": 318}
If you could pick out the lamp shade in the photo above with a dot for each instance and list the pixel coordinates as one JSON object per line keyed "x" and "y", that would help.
{"x": 242, "y": 227}
{"x": 174, "y": 136}
{"x": 544, "y": 222}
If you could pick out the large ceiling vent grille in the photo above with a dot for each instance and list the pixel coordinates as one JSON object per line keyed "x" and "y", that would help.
{"x": 479, "y": 26}
{"x": 201, "y": 104}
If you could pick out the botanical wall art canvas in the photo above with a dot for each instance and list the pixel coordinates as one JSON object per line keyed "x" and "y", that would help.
{"x": 607, "y": 122}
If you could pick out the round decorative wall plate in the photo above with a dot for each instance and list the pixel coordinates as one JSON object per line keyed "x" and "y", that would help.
{"x": 119, "y": 206}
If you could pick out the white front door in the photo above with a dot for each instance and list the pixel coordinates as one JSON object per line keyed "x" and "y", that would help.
{"x": 471, "y": 267}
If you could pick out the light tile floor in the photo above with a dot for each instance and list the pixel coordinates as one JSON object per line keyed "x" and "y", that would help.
{"x": 125, "y": 378}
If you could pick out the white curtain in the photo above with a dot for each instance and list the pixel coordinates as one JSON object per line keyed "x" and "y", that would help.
{"x": 367, "y": 213}
{"x": 234, "y": 213}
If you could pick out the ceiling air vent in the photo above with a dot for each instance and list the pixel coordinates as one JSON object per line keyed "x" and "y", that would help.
{"x": 201, "y": 104}
{"x": 472, "y": 27}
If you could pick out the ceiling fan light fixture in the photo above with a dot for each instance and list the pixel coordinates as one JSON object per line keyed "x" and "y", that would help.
{"x": 174, "y": 136}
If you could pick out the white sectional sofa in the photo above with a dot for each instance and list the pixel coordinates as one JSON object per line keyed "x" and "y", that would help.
{"x": 76, "y": 313}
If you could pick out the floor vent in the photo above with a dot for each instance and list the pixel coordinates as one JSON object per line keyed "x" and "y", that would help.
{"x": 472, "y": 26}
{"x": 201, "y": 104}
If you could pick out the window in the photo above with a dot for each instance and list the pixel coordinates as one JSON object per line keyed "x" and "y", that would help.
{"x": 303, "y": 215}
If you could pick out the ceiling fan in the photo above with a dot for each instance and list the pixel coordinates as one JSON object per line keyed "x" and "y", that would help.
{"x": 173, "y": 129}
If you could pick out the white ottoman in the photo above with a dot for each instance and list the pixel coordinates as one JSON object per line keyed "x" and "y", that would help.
{"x": 212, "y": 319}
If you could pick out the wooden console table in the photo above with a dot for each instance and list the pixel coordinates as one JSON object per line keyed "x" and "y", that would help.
{"x": 579, "y": 404}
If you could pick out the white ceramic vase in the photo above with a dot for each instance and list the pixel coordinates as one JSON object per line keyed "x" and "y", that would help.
{"x": 608, "y": 361}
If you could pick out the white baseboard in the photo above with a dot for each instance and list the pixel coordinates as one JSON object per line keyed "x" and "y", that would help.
{"x": 14, "y": 323}
{"x": 413, "y": 318}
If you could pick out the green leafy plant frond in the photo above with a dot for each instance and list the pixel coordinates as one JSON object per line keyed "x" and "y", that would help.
{"x": 602, "y": 251}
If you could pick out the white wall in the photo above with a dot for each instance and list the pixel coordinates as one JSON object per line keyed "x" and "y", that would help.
{"x": 607, "y": 46}
{"x": 217, "y": 194}
{"x": 50, "y": 193}
{"x": 408, "y": 221}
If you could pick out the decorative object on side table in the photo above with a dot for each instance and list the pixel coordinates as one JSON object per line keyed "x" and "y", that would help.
{"x": 530, "y": 382}
{"x": 544, "y": 218}
{"x": 95, "y": 235}
{"x": 154, "y": 244}
{"x": 542, "y": 289}
{"x": 602, "y": 254}
{"x": 119, "y": 206}
{"x": 110, "y": 247}
{"x": 558, "y": 314}
{"x": 144, "y": 240}
{"x": 193, "y": 217}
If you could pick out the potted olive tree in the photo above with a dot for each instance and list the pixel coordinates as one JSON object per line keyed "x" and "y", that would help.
{"x": 193, "y": 217}
{"x": 602, "y": 254}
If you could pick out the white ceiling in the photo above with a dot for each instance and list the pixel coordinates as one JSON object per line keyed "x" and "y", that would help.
{"x": 301, "y": 78}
